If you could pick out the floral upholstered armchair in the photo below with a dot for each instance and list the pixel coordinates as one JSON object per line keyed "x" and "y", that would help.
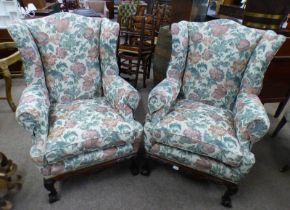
{"x": 206, "y": 114}
{"x": 76, "y": 107}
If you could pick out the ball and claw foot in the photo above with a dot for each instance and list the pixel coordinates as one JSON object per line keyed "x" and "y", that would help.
{"x": 52, "y": 197}
{"x": 49, "y": 185}
{"x": 226, "y": 198}
{"x": 134, "y": 167}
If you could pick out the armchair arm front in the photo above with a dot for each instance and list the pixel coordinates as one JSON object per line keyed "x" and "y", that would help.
{"x": 32, "y": 114}
{"x": 121, "y": 95}
{"x": 251, "y": 119}
{"x": 162, "y": 97}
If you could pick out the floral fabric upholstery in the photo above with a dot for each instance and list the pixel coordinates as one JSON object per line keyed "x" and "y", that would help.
{"x": 218, "y": 54}
{"x": 108, "y": 47}
{"x": 261, "y": 58}
{"x": 163, "y": 96}
{"x": 32, "y": 114}
{"x": 68, "y": 46}
{"x": 76, "y": 107}
{"x": 86, "y": 159}
{"x": 200, "y": 129}
{"x": 205, "y": 164}
{"x": 31, "y": 60}
{"x": 86, "y": 125}
{"x": 206, "y": 114}
{"x": 251, "y": 120}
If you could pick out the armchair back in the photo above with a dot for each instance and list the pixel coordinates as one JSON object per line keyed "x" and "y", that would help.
{"x": 222, "y": 55}
{"x": 65, "y": 47}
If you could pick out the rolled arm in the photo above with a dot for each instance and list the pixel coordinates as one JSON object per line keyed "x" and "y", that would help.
{"x": 162, "y": 97}
{"x": 121, "y": 95}
{"x": 251, "y": 119}
{"x": 32, "y": 114}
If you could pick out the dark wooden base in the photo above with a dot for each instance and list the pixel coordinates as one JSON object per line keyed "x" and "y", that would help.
{"x": 49, "y": 185}
{"x": 50, "y": 182}
{"x": 232, "y": 188}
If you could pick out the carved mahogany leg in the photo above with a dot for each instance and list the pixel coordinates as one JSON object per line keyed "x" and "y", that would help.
{"x": 232, "y": 189}
{"x": 145, "y": 169}
{"x": 49, "y": 185}
{"x": 134, "y": 167}
{"x": 279, "y": 126}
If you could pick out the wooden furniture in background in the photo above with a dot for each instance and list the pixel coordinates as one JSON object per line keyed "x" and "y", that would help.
{"x": 5, "y": 72}
{"x": 8, "y": 181}
{"x": 39, "y": 4}
{"x": 276, "y": 85}
{"x": 191, "y": 10}
{"x": 266, "y": 14}
{"x": 134, "y": 54}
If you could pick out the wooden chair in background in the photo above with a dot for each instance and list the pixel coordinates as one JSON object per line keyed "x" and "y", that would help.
{"x": 6, "y": 73}
{"x": 136, "y": 46}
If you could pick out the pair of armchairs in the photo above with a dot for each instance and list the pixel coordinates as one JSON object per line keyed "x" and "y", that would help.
{"x": 204, "y": 116}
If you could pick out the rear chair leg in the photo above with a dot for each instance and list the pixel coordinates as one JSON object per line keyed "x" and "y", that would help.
{"x": 145, "y": 169}
{"x": 134, "y": 167}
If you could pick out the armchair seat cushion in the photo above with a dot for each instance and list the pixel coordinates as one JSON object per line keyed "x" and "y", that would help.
{"x": 201, "y": 129}
{"x": 84, "y": 126}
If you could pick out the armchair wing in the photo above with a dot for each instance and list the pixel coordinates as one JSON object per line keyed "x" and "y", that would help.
{"x": 251, "y": 119}
{"x": 32, "y": 111}
{"x": 29, "y": 53}
{"x": 163, "y": 96}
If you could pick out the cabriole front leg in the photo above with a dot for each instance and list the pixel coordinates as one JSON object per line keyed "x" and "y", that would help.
{"x": 49, "y": 185}
{"x": 232, "y": 189}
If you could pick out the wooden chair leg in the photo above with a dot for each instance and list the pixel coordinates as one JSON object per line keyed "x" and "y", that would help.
{"x": 145, "y": 168}
{"x": 232, "y": 189}
{"x": 137, "y": 73}
{"x": 49, "y": 185}
{"x": 144, "y": 65}
{"x": 8, "y": 85}
{"x": 134, "y": 167}
{"x": 280, "y": 108}
{"x": 279, "y": 126}
{"x": 149, "y": 67}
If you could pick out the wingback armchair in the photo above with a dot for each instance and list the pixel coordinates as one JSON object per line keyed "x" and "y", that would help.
{"x": 206, "y": 114}
{"x": 76, "y": 107}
